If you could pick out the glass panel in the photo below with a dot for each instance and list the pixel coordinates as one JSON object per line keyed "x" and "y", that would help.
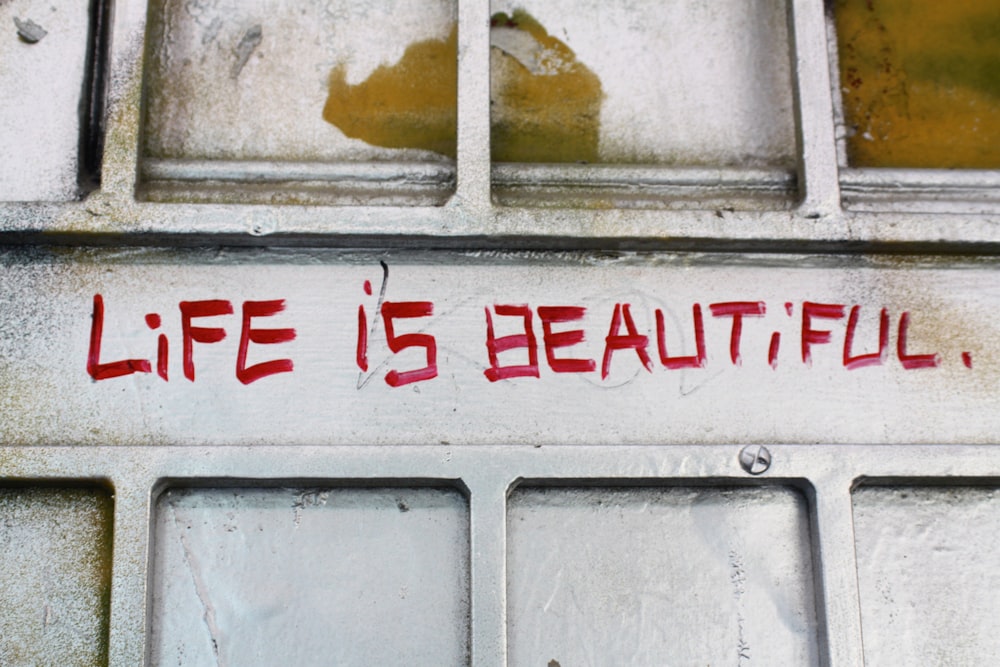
{"x": 928, "y": 574}
{"x": 267, "y": 82}
{"x": 685, "y": 576}
{"x": 677, "y": 83}
{"x": 55, "y": 575}
{"x": 310, "y": 576}
{"x": 920, "y": 82}
{"x": 43, "y": 61}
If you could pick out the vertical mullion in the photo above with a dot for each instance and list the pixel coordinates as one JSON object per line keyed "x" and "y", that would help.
{"x": 838, "y": 573}
{"x": 488, "y": 576}
{"x": 124, "y": 91}
{"x": 473, "y": 154}
{"x": 814, "y": 110}
{"x": 127, "y": 640}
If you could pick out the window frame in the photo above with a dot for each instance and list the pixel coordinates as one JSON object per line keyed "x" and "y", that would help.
{"x": 898, "y": 209}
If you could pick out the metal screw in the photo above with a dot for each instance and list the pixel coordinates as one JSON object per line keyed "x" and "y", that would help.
{"x": 755, "y": 459}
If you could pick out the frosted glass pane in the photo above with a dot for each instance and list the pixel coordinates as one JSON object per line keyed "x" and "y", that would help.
{"x": 927, "y": 574}
{"x": 675, "y": 576}
{"x": 310, "y": 577}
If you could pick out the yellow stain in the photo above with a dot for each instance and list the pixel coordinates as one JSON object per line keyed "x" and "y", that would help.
{"x": 920, "y": 82}
{"x": 549, "y": 112}
{"x": 411, "y": 104}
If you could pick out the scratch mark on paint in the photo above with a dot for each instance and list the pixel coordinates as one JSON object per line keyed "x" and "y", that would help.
{"x": 555, "y": 590}
{"x": 363, "y": 379}
{"x": 200, "y": 589}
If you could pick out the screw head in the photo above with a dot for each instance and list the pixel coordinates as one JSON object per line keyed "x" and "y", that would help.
{"x": 755, "y": 459}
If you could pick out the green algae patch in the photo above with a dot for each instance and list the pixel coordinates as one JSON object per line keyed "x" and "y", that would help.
{"x": 411, "y": 104}
{"x": 920, "y": 82}
{"x": 545, "y": 104}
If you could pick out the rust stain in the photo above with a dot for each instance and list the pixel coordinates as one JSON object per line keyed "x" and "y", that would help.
{"x": 411, "y": 104}
{"x": 920, "y": 83}
{"x": 545, "y": 104}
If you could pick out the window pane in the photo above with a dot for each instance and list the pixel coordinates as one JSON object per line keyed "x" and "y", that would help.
{"x": 266, "y": 92}
{"x": 310, "y": 576}
{"x": 43, "y": 58}
{"x": 927, "y": 574}
{"x": 920, "y": 82}
{"x": 678, "y": 83}
{"x": 685, "y": 576}
{"x": 55, "y": 575}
